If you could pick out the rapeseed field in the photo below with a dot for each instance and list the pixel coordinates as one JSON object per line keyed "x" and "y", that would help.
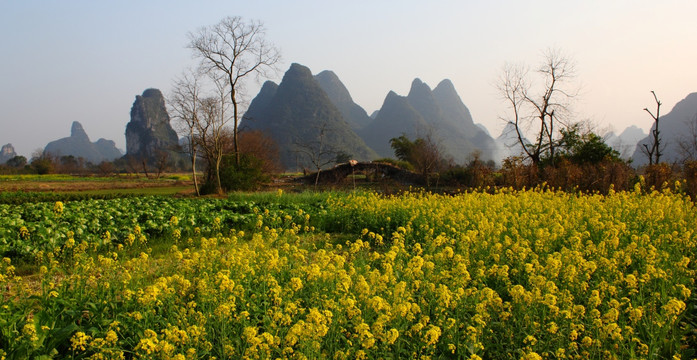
{"x": 533, "y": 274}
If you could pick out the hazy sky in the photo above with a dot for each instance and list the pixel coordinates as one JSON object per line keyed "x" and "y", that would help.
{"x": 65, "y": 61}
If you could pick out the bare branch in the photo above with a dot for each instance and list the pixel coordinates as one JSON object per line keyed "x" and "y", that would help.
{"x": 318, "y": 152}
{"x": 655, "y": 152}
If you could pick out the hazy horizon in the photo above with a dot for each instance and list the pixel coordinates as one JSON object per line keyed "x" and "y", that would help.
{"x": 86, "y": 61}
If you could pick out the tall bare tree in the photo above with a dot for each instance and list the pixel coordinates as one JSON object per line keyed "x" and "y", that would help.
{"x": 543, "y": 107}
{"x": 185, "y": 104}
{"x": 212, "y": 129}
{"x": 654, "y": 152}
{"x": 235, "y": 49}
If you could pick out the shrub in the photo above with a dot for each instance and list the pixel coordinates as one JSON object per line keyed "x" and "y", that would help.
{"x": 249, "y": 175}
{"x": 516, "y": 174}
{"x": 689, "y": 171}
{"x": 588, "y": 176}
{"x": 472, "y": 176}
{"x": 658, "y": 174}
{"x": 42, "y": 166}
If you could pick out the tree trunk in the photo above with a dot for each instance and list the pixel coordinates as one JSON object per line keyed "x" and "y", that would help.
{"x": 235, "y": 121}
{"x": 317, "y": 178}
{"x": 145, "y": 168}
{"x": 219, "y": 189}
{"x": 193, "y": 172}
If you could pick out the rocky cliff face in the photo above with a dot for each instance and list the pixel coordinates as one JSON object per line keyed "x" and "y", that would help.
{"x": 6, "y": 153}
{"x": 149, "y": 132}
{"x": 77, "y": 132}
{"x": 78, "y": 145}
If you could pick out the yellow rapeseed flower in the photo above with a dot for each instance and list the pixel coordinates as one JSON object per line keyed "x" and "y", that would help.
{"x": 432, "y": 335}
{"x": 296, "y": 284}
{"x": 79, "y": 341}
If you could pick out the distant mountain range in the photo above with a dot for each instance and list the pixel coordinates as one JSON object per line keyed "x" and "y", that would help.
{"x": 674, "y": 128}
{"x": 78, "y": 144}
{"x": 148, "y": 134}
{"x": 295, "y": 111}
{"x": 315, "y": 117}
{"x": 625, "y": 143}
{"x": 438, "y": 113}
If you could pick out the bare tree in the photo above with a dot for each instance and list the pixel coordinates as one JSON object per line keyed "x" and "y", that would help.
{"x": 208, "y": 110}
{"x": 106, "y": 168}
{"x": 131, "y": 164}
{"x": 161, "y": 162}
{"x": 542, "y": 110}
{"x": 144, "y": 163}
{"x": 184, "y": 102}
{"x": 234, "y": 48}
{"x": 655, "y": 151}
{"x": 262, "y": 147}
{"x": 318, "y": 152}
{"x": 211, "y": 129}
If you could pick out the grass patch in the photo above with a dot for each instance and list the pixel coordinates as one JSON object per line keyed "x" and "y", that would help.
{"x": 51, "y": 177}
{"x": 92, "y": 178}
{"x": 148, "y": 191}
{"x": 26, "y": 197}
{"x": 285, "y": 198}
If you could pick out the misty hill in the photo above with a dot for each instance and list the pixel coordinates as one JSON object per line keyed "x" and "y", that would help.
{"x": 6, "y": 153}
{"x": 438, "y": 113}
{"x": 396, "y": 116}
{"x": 625, "y": 143}
{"x": 353, "y": 114}
{"x": 674, "y": 127}
{"x": 508, "y": 143}
{"x": 296, "y": 111}
{"x": 483, "y": 128}
{"x": 78, "y": 144}
{"x": 460, "y": 118}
